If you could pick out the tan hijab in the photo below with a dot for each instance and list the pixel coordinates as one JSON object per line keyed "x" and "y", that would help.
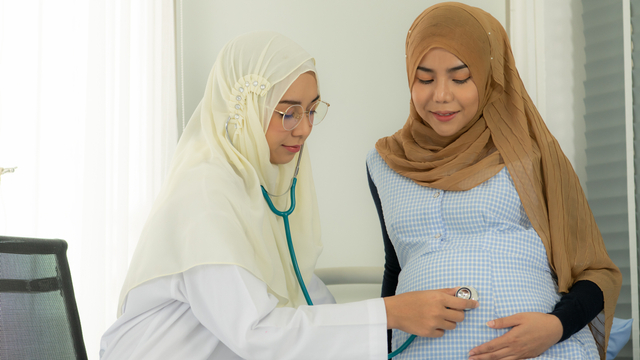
{"x": 507, "y": 130}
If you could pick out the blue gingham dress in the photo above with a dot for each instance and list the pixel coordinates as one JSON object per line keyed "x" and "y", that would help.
{"x": 480, "y": 237}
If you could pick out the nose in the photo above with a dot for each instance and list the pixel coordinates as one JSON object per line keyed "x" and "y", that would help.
{"x": 442, "y": 93}
{"x": 304, "y": 128}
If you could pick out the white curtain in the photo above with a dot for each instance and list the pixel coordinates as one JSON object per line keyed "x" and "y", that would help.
{"x": 88, "y": 115}
{"x": 526, "y": 32}
{"x": 548, "y": 45}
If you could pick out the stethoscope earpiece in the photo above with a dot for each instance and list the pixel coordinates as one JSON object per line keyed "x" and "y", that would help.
{"x": 226, "y": 129}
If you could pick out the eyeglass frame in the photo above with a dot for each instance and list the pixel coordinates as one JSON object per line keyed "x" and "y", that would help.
{"x": 304, "y": 112}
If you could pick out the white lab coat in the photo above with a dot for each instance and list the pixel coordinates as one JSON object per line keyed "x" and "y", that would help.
{"x": 224, "y": 312}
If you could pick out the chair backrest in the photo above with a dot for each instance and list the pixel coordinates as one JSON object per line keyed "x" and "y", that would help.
{"x": 38, "y": 313}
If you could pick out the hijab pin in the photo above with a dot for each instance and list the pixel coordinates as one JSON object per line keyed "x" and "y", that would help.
{"x": 489, "y": 32}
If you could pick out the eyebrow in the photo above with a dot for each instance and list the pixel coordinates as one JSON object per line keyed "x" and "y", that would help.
{"x": 453, "y": 69}
{"x": 293, "y": 102}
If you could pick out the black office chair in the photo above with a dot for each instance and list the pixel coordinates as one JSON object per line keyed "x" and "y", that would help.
{"x": 38, "y": 313}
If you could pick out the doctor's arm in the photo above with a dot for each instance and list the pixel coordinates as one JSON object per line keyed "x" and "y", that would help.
{"x": 237, "y": 308}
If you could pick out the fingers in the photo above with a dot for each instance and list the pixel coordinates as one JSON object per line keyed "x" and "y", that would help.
{"x": 461, "y": 304}
{"x": 426, "y": 313}
{"x": 454, "y": 315}
{"x": 471, "y": 304}
{"x": 490, "y": 347}
{"x": 503, "y": 354}
{"x": 530, "y": 335}
{"x": 458, "y": 303}
{"x": 505, "y": 322}
{"x": 499, "y": 342}
{"x": 449, "y": 291}
{"x": 448, "y": 325}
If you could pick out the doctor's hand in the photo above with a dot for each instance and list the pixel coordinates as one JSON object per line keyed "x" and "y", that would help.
{"x": 426, "y": 313}
{"x": 531, "y": 334}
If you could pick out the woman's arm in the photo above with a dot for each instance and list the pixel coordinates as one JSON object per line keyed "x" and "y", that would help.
{"x": 579, "y": 307}
{"x": 532, "y": 334}
{"x": 237, "y": 308}
{"x": 391, "y": 263}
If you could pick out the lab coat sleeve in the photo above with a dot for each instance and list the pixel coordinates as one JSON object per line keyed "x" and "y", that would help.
{"x": 236, "y": 307}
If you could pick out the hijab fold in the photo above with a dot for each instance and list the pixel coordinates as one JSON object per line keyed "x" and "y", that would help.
{"x": 506, "y": 131}
{"x": 210, "y": 209}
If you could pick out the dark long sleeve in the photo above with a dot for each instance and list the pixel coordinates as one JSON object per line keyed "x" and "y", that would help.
{"x": 391, "y": 263}
{"x": 578, "y": 307}
{"x": 575, "y": 309}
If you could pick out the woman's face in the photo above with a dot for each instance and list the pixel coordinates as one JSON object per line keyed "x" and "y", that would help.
{"x": 443, "y": 92}
{"x": 284, "y": 144}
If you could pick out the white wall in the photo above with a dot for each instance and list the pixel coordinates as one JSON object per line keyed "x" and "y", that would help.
{"x": 359, "y": 50}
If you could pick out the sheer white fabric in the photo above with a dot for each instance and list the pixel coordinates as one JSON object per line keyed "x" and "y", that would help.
{"x": 211, "y": 209}
{"x": 88, "y": 115}
{"x": 224, "y": 312}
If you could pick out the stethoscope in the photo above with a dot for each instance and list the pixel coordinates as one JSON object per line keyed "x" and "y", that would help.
{"x": 465, "y": 292}
{"x": 285, "y": 217}
{"x": 284, "y": 214}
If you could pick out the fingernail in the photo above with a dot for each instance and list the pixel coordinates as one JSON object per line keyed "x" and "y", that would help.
{"x": 491, "y": 323}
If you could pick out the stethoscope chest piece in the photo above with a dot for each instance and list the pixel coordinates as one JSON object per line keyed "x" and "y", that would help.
{"x": 467, "y": 292}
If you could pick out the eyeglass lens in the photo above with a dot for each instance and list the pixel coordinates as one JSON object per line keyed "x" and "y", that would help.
{"x": 295, "y": 113}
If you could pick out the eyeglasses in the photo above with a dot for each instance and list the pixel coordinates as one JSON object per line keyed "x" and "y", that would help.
{"x": 292, "y": 116}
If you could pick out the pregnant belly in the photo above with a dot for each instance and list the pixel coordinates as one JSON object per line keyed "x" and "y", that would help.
{"x": 505, "y": 285}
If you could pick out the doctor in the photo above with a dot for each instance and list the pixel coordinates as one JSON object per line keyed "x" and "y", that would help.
{"x": 211, "y": 277}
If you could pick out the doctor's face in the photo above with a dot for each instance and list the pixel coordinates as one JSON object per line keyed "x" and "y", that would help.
{"x": 285, "y": 144}
{"x": 443, "y": 92}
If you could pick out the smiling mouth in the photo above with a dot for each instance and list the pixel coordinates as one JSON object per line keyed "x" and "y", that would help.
{"x": 293, "y": 148}
{"x": 444, "y": 113}
{"x": 444, "y": 116}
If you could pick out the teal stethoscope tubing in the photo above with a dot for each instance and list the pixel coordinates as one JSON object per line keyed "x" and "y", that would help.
{"x": 285, "y": 216}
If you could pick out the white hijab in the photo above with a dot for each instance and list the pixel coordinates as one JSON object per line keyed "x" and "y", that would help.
{"x": 210, "y": 209}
